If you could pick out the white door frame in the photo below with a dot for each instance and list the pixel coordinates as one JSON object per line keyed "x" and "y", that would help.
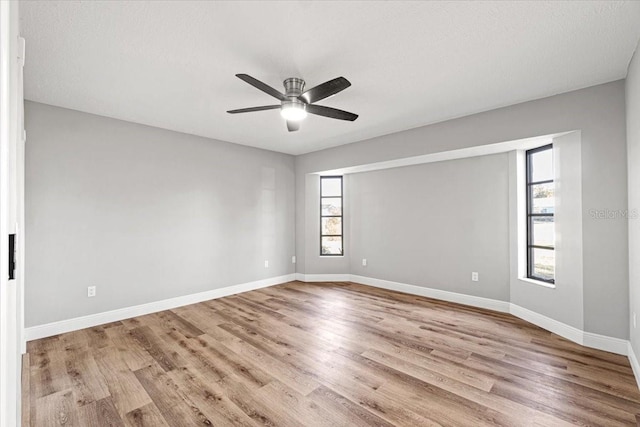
{"x": 11, "y": 211}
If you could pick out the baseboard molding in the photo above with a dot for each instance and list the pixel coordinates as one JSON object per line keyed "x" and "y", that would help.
{"x": 635, "y": 366}
{"x": 587, "y": 339}
{"x": 323, "y": 277}
{"x": 603, "y": 342}
{"x": 481, "y": 302}
{"x": 68, "y": 325}
{"x": 566, "y": 331}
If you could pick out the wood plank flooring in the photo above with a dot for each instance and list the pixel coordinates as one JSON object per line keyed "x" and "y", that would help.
{"x": 327, "y": 354}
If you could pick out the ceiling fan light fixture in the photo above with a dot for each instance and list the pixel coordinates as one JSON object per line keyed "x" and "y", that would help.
{"x": 293, "y": 111}
{"x": 295, "y": 103}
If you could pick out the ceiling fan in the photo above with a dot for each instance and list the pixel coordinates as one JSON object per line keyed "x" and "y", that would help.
{"x": 295, "y": 104}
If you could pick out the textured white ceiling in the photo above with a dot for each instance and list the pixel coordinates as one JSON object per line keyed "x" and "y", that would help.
{"x": 172, "y": 64}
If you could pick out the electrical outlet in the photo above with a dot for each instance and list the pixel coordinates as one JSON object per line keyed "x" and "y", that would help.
{"x": 293, "y": 259}
{"x": 634, "y": 320}
{"x": 364, "y": 262}
{"x": 91, "y": 291}
{"x": 474, "y": 276}
{"x": 266, "y": 263}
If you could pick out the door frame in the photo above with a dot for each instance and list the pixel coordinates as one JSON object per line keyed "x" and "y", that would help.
{"x": 11, "y": 212}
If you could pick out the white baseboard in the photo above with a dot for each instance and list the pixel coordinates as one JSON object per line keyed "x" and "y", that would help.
{"x": 566, "y": 331}
{"x": 323, "y": 277}
{"x": 68, "y": 325}
{"x": 588, "y": 339}
{"x": 634, "y": 362}
{"x": 490, "y": 304}
{"x": 603, "y": 342}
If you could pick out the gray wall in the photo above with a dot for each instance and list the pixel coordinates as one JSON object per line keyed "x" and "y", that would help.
{"x": 454, "y": 220}
{"x": 145, "y": 214}
{"x": 598, "y": 112}
{"x": 633, "y": 149}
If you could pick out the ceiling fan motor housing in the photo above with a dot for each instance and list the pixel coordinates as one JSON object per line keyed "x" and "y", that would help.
{"x": 293, "y": 87}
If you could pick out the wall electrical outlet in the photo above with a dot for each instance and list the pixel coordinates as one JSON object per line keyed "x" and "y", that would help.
{"x": 91, "y": 291}
{"x": 266, "y": 263}
{"x": 364, "y": 262}
{"x": 474, "y": 276}
{"x": 293, "y": 259}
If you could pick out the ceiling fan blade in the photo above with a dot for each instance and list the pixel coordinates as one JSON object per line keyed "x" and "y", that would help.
{"x": 333, "y": 113}
{"x": 293, "y": 126}
{"x": 325, "y": 90}
{"x": 252, "y": 109}
{"x": 262, "y": 86}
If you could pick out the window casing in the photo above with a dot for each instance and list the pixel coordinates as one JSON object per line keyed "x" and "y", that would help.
{"x": 331, "y": 212}
{"x": 540, "y": 214}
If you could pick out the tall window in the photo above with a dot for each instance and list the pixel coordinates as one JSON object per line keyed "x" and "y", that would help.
{"x": 331, "y": 243}
{"x": 541, "y": 258}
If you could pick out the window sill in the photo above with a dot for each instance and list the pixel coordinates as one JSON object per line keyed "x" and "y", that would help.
{"x": 331, "y": 256}
{"x": 538, "y": 282}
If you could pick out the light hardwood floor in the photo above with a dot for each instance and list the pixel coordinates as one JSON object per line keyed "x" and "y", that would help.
{"x": 327, "y": 354}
